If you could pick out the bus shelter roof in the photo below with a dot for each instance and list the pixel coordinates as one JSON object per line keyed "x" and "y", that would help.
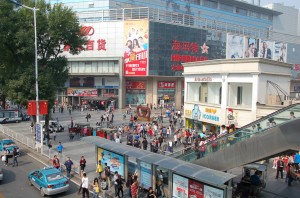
{"x": 193, "y": 171}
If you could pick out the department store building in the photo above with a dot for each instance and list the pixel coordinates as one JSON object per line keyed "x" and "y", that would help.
{"x": 136, "y": 49}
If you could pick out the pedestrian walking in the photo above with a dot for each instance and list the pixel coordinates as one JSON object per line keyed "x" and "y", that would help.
{"x": 99, "y": 169}
{"x": 60, "y": 148}
{"x": 280, "y": 165}
{"x": 116, "y": 176}
{"x": 134, "y": 189}
{"x": 54, "y": 135}
{"x": 69, "y": 165}
{"x": 5, "y": 155}
{"x": 55, "y": 162}
{"x": 104, "y": 187}
{"x": 72, "y": 122}
{"x": 107, "y": 174}
{"x": 15, "y": 156}
{"x": 85, "y": 186}
{"x": 96, "y": 188}
{"x": 120, "y": 186}
{"x": 82, "y": 164}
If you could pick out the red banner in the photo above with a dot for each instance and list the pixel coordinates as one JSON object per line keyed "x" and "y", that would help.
{"x": 166, "y": 84}
{"x": 135, "y": 85}
{"x": 43, "y": 105}
{"x": 196, "y": 189}
{"x": 135, "y": 63}
{"x": 31, "y": 107}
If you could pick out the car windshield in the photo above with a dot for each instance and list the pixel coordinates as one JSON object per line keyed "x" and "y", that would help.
{"x": 54, "y": 176}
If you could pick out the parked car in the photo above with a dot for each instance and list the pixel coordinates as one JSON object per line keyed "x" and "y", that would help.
{"x": 49, "y": 181}
{"x": 1, "y": 174}
{"x": 9, "y": 145}
{"x": 53, "y": 126}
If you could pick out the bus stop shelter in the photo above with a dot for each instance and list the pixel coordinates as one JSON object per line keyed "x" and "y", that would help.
{"x": 178, "y": 169}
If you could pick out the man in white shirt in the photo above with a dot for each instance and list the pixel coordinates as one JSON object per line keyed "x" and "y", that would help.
{"x": 85, "y": 185}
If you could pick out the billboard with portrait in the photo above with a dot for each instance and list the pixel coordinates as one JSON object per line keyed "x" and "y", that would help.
{"x": 280, "y": 52}
{"x": 114, "y": 161}
{"x": 251, "y": 47}
{"x": 136, "y": 48}
{"x": 266, "y": 49}
{"x": 235, "y": 46}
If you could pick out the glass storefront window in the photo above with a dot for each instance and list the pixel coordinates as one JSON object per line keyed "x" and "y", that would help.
{"x": 168, "y": 95}
{"x": 135, "y": 96}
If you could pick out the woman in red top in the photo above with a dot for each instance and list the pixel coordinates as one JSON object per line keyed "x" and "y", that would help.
{"x": 134, "y": 189}
{"x": 55, "y": 162}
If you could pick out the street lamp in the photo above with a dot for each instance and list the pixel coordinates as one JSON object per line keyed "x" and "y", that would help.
{"x": 34, "y": 9}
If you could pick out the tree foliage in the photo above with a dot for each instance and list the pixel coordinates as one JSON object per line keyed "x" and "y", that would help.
{"x": 57, "y": 26}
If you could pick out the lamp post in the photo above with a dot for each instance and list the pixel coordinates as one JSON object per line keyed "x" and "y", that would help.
{"x": 34, "y": 9}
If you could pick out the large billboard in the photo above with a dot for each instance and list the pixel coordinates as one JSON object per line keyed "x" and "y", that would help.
{"x": 114, "y": 161}
{"x": 105, "y": 39}
{"x": 266, "y": 49}
{"x": 251, "y": 47}
{"x": 136, "y": 48}
{"x": 280, "y": 52}
{"x": 235, "y": 46}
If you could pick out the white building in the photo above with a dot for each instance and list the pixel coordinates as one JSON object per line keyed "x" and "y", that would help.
{"x": 235, "y": 91}
{"x": 288, "y": 21}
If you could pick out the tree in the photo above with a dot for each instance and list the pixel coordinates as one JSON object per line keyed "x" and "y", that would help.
{"x": 57, "y": 26}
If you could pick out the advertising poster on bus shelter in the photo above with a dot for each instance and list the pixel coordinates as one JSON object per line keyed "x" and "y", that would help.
{"x": 113, "y": 160}
{"x": 180, "y": 186}
{"x": 188, "y": 188}
{"x": 146, "y": 175}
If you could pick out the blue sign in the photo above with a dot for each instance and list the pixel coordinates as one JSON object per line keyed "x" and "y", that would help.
{"x": 146, "y": 175}
{"x": 38, "y": 132}
{"x": 211, "y": 117}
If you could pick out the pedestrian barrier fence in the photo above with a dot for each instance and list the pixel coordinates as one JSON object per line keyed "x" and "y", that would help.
{"x": 31, "y": 144}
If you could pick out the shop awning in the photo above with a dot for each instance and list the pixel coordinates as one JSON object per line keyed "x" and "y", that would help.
{"x": 98, "y": 98}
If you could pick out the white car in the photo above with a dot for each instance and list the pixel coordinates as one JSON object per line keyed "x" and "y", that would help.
{"x": 1, "y": 174}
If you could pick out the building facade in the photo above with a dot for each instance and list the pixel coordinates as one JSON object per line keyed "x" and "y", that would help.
{"x": 233, "y": 91}
{"x": 135, "y": 54}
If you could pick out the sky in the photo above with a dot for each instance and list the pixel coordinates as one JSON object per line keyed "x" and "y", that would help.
{"x": 295, "y": 3}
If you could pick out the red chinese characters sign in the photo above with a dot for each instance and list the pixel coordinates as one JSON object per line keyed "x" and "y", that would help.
{"x": 166, "y": 84}
{"x": 93, "y": 43}
{"x": 136, "y": 64}
{"x": 190, "y": 50}
{"x": 135, "y": 85}
{"x": 196, "y": 189}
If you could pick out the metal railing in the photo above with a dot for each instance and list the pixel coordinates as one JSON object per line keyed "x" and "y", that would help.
{"x": 30, "y": 144}
{"x": 181, "y": 19}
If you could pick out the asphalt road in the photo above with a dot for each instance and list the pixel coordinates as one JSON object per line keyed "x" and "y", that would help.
{"x": 15, "y": 183}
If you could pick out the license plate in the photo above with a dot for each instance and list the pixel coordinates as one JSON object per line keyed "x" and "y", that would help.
{"x": 59, "y": 185}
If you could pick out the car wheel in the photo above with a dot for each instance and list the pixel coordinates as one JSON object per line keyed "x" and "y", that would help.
{"x": 42, "y": 192}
